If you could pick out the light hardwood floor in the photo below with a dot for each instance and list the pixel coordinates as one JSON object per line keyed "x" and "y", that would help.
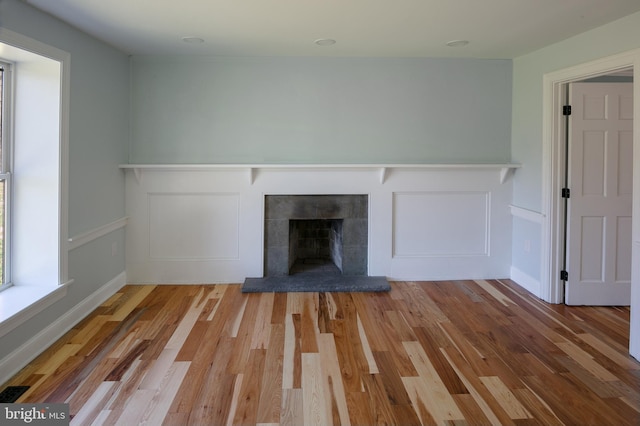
{"x": 455, "y": 352}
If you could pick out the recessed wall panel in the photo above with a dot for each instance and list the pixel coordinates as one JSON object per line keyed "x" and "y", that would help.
{"x": 440, "y": 224}
{"x": 193, "y": 226}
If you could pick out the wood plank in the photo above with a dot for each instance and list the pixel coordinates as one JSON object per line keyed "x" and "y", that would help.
{"x": 292, "y": 413}
{"x": 487, "y": 403}
{"x": 429, "y": 386}
{"x": 309, "y": 326}
{"x": 368, "y": 314}
{"x": 623, "y": 360}
{"x": 316, "y": 410}
{"x": 248, "y": 399}
{"x": 290, "y": 352}
{"x": 243, "y": 334}
{"x": 395, "y": 390}
{"x": 381, "y": 408}
{"x": 586, "y": 361}
{"x": 361, "y": 410}
{"x": 539, "y": 409}
{"x": 270, "y": 400}
{"x": 334, "y": 387}
{"x": 94, "y": 405}
{"x": 138, "y": 294}
{"x": 471, "y": 410}
{"x": 186, "y": 323}
{"x": 445, "y": 371}
{"x": 262, "y": 329}
{"x": 350, "y": 372}
{"x": 279, "y": 308}
{"x": 237, "y": 386}
{"x": 158, "y": 407}
{"x": 366, "y": 349}
{"x": 505, "y": 398}
{"x": 446, "y": 352}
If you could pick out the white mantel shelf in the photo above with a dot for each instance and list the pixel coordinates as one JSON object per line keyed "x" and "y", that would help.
{"x": 506, "y": 170}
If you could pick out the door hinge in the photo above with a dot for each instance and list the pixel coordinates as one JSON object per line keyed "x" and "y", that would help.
{"x": 564, "y": 275}
{"x": 566, "y": 193}
{"x": 566, "y": 110}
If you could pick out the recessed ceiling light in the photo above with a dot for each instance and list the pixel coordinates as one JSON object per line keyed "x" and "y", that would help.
{"x": 325, "y": 41}
{"x": 193, "y": 40}
{"x": 457, "y": 43}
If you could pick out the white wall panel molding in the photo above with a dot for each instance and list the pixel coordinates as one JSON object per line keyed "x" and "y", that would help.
{"x": 86, "y": 237}
{"x": 441, "y": 224}
{"x": 193, "y": 226}
{"x": 206, "y": 225}
{"x": 526, "y": 214}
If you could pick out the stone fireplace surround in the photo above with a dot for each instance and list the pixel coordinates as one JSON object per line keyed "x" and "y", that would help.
{"x": 281, "y": 210}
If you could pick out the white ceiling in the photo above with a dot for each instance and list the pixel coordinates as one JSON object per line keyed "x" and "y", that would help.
{"x": 374, "y": 28}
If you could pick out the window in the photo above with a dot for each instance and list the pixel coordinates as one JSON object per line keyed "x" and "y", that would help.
{"x": 33, "y": 177}
{"x": 5, "y": 177}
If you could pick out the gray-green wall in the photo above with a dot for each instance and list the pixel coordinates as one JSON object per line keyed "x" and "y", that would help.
{"x": 98, "y": 141}
{"x": 320, "y": 110}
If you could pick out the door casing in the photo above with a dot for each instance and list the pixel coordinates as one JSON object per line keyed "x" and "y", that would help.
{"x": 551, "y": 287}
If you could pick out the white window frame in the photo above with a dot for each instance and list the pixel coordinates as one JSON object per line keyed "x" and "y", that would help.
{"x": 30, "y": 295}
{"x": 5, "y": 167}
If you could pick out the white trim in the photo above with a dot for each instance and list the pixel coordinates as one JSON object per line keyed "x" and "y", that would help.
{"x": 63, "y": 190}
{"x": 20, "y": 357}
{"x": 526, "y": 214}
{"x": 32, "y": 45}
{"x": 86, "y": 237}
{"x": 28, "y": 44}
{"x": 552, "y": 156}
{"x": 506, "y": 170}
{"x": 188, "y": 167}
{"x": 525, "y": 281}
{"x": 22, "y": 303}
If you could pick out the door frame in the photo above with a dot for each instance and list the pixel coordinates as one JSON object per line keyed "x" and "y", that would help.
{"x": 552, "y": 288}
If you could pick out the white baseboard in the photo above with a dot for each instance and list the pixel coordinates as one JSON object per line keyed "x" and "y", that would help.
{"x": 20, "y": 357}
{"x": 525, "y": 281}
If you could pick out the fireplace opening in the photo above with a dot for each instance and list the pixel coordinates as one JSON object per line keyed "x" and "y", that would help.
{"x": 315, "y": 246}
{"x": 316, "y": 232}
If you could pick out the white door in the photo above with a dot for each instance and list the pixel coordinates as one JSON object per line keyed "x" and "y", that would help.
{"x": 600, "y": 180}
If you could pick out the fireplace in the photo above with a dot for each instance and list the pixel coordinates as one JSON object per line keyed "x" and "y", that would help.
{"x": 315, "y": 245}
{"x": 316, "y": 232}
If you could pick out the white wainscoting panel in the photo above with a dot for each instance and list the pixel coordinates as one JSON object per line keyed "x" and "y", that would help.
{"x": 193, "y": 226}
{"x": 428, "y": 224}
{"x": 206, "y": 224}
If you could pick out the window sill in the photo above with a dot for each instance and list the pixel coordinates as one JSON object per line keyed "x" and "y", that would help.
{"x": 18, "y": 304}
